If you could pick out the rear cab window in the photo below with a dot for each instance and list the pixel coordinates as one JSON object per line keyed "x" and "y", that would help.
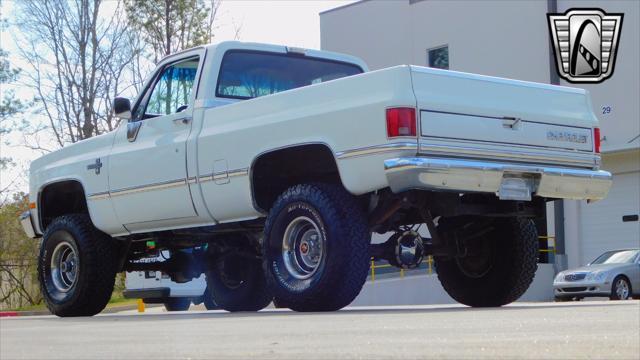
{"x": 250, "y": 74}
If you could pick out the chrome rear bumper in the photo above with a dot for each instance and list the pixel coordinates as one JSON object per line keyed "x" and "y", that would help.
{"x": 481, "y": 176}
{"x": 27, "y": 224}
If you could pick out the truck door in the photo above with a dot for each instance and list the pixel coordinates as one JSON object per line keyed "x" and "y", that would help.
{"x": 148, "y": 180}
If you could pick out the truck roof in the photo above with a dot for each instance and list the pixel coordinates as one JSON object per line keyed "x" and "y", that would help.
{"x": 240, "y": 45}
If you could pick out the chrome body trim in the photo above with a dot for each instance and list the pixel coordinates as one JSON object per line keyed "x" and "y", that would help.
{"x": 377, "y": 149}
{"x": 205, "y": 178}
{"x": 220, "y": 175}
{"x": 137, "y": 189}
{"x": 514, "y": 153}
{"x": 239, "y": 172}
{"x": 483, "y": 176}
{"x": 224, "y": 174}
{"x": 99, "y": 196}
{"x": 150, "y": 187}
{"x": 167, "y": 184}
{"x": 27, "y": 224}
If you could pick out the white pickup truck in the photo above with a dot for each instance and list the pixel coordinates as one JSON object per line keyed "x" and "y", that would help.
{"x": 284, "y": 161}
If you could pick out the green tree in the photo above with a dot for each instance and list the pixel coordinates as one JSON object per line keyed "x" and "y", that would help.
{"x": 9, "y": 104}
{"x": 18, "y": 254}
{"x": 172, "y": 25}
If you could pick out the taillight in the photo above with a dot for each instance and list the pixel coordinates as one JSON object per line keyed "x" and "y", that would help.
{"x": 596, "y": 139}
{"x": 401, "y": 122}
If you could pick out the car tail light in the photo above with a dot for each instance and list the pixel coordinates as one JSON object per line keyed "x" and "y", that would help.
{"x": 596, "y": 139}
{"x": 401, "y": 122}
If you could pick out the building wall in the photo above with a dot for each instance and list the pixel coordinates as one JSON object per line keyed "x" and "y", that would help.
{"x": 621, "y": 91}
{"x": 387, "y": 33}
{"x": 370, "y": 30}
{"x": 593, "y": 228}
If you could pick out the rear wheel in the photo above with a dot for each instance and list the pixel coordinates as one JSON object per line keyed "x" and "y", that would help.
{"x": 209, "y": 301}
{"x": 237, "y": 284}
{"x": 177, "y": 304}
{"x": 499, "y": 267}
{"x": 76, "y": 267}
{"x": 316, "y": 248}
{"x": 620, "y": 289}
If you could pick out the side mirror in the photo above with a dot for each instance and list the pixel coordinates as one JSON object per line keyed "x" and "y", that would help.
{"x": 122, "y": 108}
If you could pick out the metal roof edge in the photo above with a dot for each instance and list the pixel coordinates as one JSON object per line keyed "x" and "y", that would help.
{"x": 343, "y": 6}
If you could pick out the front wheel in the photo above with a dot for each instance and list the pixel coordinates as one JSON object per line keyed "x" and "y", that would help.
{"x": 76, "y": 267}
{"x": 316, "y": 248}
{"x": 498, "y": 266}
{"x": 620, "y": 289}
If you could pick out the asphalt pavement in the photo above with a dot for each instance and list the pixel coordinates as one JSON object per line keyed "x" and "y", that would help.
{"x": 594, "y": 329}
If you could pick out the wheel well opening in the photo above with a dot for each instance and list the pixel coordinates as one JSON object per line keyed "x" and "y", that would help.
{"x": 274, "y": 172}
{"x": 66, "y": 197}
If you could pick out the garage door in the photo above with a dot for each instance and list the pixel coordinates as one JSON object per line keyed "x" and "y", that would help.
{"x": 602, "y": 225}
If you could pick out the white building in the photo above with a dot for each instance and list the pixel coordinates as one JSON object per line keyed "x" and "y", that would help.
{"x": 511, "y": 39}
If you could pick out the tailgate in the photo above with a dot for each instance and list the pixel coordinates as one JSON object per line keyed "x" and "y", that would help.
{"x": 498, "y": 114}
{"x": 504, "y": 130}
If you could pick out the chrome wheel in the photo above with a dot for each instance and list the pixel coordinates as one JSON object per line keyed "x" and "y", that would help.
{"x": 622, "y": 289}
{"x": 302, "y": 247}
{"x": 64, "y": 267}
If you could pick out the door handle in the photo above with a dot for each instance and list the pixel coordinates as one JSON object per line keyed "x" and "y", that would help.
{"x": 184, "y": 120}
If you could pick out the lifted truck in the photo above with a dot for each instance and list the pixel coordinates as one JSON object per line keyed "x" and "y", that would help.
{"x": 284, "y": 161}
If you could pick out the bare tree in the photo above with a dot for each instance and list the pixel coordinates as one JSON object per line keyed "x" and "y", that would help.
{"x": 173, "y": 25}
{"x": 78, "y": 59}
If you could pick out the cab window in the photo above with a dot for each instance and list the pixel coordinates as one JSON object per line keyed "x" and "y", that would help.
{"x": 249, "y": 74}
{"x": 171, "y": 92}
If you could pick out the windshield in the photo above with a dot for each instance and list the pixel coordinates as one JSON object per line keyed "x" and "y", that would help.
{"x": 616, "y": 257}
{"x": 250, "y": 74}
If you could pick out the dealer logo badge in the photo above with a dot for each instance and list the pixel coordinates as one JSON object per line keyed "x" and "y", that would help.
{"x": 585, "y": 43}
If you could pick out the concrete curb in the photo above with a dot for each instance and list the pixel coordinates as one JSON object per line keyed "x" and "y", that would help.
{"x": 109, "y": 310}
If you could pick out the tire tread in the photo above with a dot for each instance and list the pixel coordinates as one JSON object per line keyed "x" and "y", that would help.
{"x": 97, "y": 252}
{"x": 350, "y": 264}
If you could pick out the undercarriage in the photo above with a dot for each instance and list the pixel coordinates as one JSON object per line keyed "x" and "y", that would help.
{"x": 453, "y": 221}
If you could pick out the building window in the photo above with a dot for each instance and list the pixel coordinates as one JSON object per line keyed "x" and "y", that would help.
{"x": 438, "y": 57}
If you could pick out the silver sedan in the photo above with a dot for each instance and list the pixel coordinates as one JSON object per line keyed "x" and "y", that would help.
{"x": 615, "y": 274}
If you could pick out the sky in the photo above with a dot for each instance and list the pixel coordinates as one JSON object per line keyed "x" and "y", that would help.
{"x": 287, "y": 22}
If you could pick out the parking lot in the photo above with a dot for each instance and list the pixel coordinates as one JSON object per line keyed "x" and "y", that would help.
{"x": 591, "y": 329}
